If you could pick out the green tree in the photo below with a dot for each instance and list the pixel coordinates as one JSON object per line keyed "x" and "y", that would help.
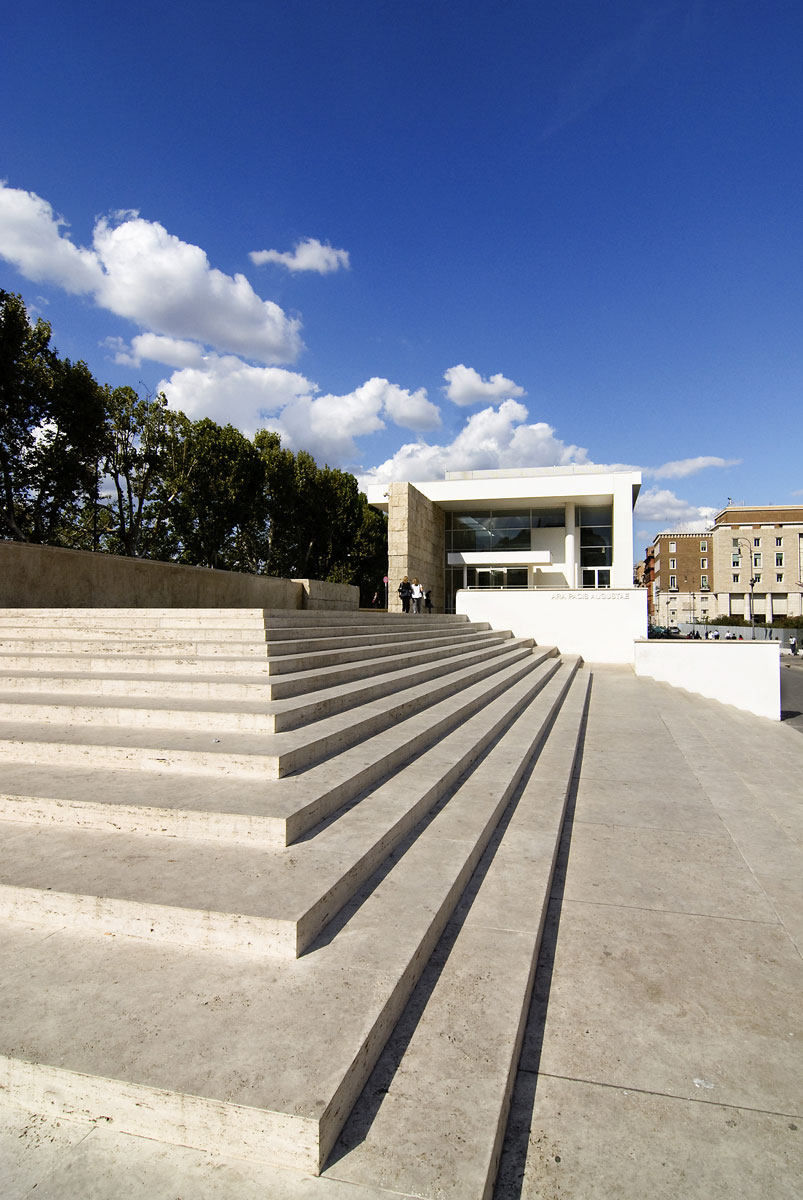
{"x": 370, "y": 553}
{"x": 218, "y": 505}
{"x": 51, "y": 425}
{"x": 137, "y": 435}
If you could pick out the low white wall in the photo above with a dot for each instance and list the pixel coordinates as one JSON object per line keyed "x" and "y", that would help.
{"x": 602, "y": 624}
{"x": 744, "y": 674}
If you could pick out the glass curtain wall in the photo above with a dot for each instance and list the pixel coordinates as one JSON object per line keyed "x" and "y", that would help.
{"x": 596, "y": 545}
{"x": 494, "y": 531}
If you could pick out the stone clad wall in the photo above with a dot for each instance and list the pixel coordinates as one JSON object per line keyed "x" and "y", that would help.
{"x": 52, "y": 577}
{"x": 416, "y": 543}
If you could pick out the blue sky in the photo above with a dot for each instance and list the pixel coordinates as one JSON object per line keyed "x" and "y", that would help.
{"x": 429, "y": 235}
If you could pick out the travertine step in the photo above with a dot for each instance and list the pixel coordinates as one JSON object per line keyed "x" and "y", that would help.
{"x": 208, "y": 641}
{"x": 239, "y": 897}
{"x": 117, "y": 681}
{"x": 248, "y": 710}
{"x": 237, "y": 808}
{"x": 185, "y": 1045}
{"x": 268, "y": 755}
{"x": 173, "y": 662}
{"x": 176, "y": 618}
{"x": 441, "y": 1090}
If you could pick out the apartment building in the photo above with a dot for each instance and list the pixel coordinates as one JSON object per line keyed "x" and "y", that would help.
{"x": 679, "y": 575}
{"x": 758, "y": 551}
{"x": 749, "y": 564}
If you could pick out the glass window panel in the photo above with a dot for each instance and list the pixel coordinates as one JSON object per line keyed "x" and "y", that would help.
{"x": 517, "y": 577}
{"x": 598, "y": 516}
{"x": 511, "y": 539}
{"x": 549, "y": 518}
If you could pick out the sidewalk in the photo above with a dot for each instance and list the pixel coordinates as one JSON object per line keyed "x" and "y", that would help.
{"x": 662, "y": 1058}
{"x": 663, "y": 1055}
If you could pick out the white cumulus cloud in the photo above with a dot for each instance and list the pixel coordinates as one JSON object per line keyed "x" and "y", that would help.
{"x": 490, "y": 439}
{"x": 252, "y": 397}
{"x": 233, "y": 392}
{"x": 137, "y": 270}
{"x": 32, "y": 238}
{"x": 466, "y": 386}
{"x": 328, "y": 425}
{"x": 659, "y": 506}
{"x": 307, "y": 255}
{"x": 683, "y": 467}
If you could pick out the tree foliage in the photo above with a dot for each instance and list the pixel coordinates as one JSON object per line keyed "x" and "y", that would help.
{"x": 108, "y": 470}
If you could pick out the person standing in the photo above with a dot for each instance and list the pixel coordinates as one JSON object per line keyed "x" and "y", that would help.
{"x": 417, "y": 596}
{"x": 405, "y": 592}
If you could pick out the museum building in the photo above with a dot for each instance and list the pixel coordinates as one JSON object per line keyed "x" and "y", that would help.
{"x": 545, "y": 552}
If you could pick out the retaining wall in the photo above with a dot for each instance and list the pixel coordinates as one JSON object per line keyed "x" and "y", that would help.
{"x": 51, "y": 577}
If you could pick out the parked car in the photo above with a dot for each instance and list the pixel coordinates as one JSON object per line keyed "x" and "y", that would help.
{"x": 672, "y": 631}
{"x": 655, "y": 631}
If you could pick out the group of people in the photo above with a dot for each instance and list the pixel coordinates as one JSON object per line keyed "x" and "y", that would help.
{"x": 413, "y": 596}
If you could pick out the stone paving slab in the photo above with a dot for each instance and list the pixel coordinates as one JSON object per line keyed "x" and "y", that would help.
{"x": 662, "y": 1055}
{"x": 586, "y": 1141}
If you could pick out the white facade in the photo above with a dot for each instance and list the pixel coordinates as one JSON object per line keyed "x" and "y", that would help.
{"x": 547, "y": 552}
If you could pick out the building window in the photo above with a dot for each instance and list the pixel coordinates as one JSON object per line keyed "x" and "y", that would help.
{"x": 704, "y": 582}
{"x": 736, "y": 559}
{"x": 703, "y": 564}
{"x": 756, "y": 541}
{"x": 673, "y": 583}
{"x": 596, "y": 545}
{"x": 703, "y": 547}
{"x": 673, "y": 547}
{"x": 734, "y": 578}
{"x": 756, "y": 579}
{"x": 779, "y": 578}
{"x": 779, "y": 558}
{"x": 779, "y": 541}
{"x": 756, "y": 560}
{"x": 673, "y": 563}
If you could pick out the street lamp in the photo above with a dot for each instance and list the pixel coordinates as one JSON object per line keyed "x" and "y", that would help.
{"x": 753, "y": 582}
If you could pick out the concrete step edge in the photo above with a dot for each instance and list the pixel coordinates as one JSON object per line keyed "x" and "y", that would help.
{"x": 413, "y": 792}
{"x": 292, "y": 1132}
{"x": 236, "y": 714}
{"x": 273, "y": 756}
{"x": 441, "y": 1103}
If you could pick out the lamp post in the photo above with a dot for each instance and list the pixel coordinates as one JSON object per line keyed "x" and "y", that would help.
{"x": 746, "y": 542}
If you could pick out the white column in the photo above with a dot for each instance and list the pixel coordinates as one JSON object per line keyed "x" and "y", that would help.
{"x": 622, "y": 573}
{"x": 570, "y": 554}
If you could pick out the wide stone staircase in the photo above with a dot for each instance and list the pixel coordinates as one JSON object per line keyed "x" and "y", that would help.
{"x": 231, "y": 843}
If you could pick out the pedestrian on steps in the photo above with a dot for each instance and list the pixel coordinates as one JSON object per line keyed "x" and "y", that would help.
{"x": 405, "y": 592}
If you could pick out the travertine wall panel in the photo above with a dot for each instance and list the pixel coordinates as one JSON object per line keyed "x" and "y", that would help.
{"x": 51, "y": 577}
{"x": 416, "y": 543}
